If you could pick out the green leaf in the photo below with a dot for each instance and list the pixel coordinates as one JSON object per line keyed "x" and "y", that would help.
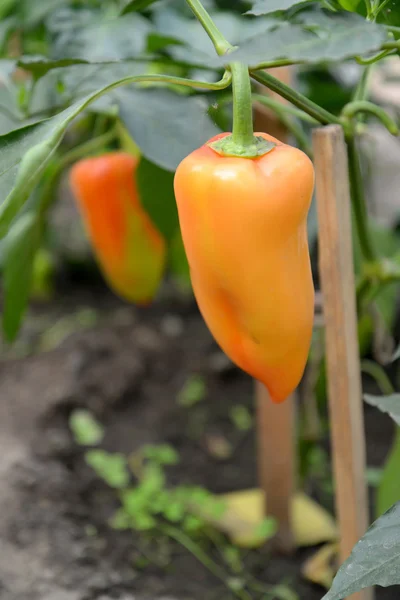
{"x": 25, "y": 153}
{"x": 163, "y": 454}
{"x": 241, "y": 417}
{"x": 85, "y": 429}
{"x": 97, "y": 39}
{"x": 375, "y": 559}
{"x": 40, "y": 65}
{"x": 390, "y": 14}
{"x": 137, "y": 5}
{"x": 165, "y": 125}
{"x": 350, "y": 5}
{"x": 20, "y": 248}
{"x": 319, "y": 37}
{"x": 386, "y": 404}
{"x": 389, "y": 487}
{"x": 178, "y": 262}
{"x": 264, "y": 7}
{"x": 156, "y": 190}
{"x": 112, "y": 468}
{"x": 198, "y": 49}
{"x": 193, "y": 391}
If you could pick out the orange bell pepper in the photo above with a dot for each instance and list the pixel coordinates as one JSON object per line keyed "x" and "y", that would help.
{"x": 129, "y": 248}
{"x": 244, "y": 227}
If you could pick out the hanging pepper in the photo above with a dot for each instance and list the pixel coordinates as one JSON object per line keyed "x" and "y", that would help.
{"x": 243, "y": 223}
{"x": 129, "y": 248}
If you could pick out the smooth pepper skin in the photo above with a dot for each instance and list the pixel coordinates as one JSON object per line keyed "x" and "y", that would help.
{"x": 244, "y": 227}
{"x": 129, "y": 248}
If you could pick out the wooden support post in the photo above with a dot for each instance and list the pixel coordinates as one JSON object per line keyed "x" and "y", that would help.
{"x": 276, "y": 462}
{"x": 275, "y": 423}
{"x": 343, "y": 363}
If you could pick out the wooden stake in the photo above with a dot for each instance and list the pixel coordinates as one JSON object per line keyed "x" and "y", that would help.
{"x": 276, "y": 462}
{"x": 275, "y": 423}
{"x": 343, "y": 363}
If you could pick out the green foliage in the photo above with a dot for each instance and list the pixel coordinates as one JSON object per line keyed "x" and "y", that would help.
{"x": 20, "y": 248}
{"x": 165, "y": 125}
{"x": 193, "y": 392}
{"x": 112, "y": 468}
{"x": 341, "y": 35}
{"x": 375, "y": 559}
{"x": 387, "y": 404}
{"x": 241, "y": 417}
{"x": 389, "y": 487}
{"x": 156, "y": 189}
{"x": 264, "y": 7}
{"x": 85, "y": 429}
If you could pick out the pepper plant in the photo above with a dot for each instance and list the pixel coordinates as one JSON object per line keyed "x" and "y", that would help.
{"x": 158, "y": 78}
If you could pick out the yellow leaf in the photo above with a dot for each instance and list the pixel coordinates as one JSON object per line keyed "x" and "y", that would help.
{"x": 244, "y": 515}
{"x": 321, "y": 568}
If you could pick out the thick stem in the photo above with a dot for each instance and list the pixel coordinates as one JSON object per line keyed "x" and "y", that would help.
{"x": 221, "y": 44}
{"x": 359, "y": 206}
{"x": 242, "y": 143}
{"x": 320, "y": 114}
{"x": 242, "y": 132}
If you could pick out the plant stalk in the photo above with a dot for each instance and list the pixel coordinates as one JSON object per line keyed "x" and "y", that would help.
{"x": 320, "y": 114}
{"x": 358, "y": 198}
{"x": 221, "y": 44}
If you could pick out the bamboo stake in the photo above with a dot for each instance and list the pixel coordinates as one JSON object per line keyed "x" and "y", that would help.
{"x": 343, "y": 363}
{"x": 275, "y": 423}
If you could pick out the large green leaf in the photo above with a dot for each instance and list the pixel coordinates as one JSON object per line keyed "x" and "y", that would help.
{"x": 198, "y": 47}
{"x": 21, "y": 245}
{"x": 316, "y": 37}
{"x": 389, "y": 487}
{"x": 165, "y": 125}
{"x": 137, "y": 5}
{"x": 264, "y": 7}
{"x": 25, "y": 153}
{"x": 100, "y": 39}
{"x": 41, "y": 65}
{"x": 386, "y": 404}
{"x": 375, "y": 559}
{"x": 156, "y": 190}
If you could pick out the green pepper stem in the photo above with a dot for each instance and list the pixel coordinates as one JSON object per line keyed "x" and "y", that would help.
{"x": 242, "y": 132}
{"x": 221, "y": 44}
{"x": 320, "y": 114}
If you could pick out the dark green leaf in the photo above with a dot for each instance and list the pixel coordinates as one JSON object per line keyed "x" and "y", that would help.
{"x": 264, "y": 7}
{"x": 21, "y": 245}
{"x": 25, "y": 153}
{"x": 156, "y": 191}
{"x": 375, "y": 559}
{"x": 40, "y": 65}
{"x": 178, "y": 262}
{"x": 165, "y": 126}
{"x": 389, "y": 487}
{"x": 100, "y": 39}
{"x": 198, "y": 47}
{"x": 390, "y": 14}
{"x": 137, "y": 5}
{"x": 319, "y": 37}
{"x": 386, "y": 404}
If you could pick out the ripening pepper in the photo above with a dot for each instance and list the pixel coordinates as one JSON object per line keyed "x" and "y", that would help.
{"x": 129, "y": 248}
{"x": 243, "y": 223}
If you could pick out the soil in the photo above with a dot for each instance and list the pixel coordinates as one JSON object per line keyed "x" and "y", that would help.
{"x": 127, "y": 367}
